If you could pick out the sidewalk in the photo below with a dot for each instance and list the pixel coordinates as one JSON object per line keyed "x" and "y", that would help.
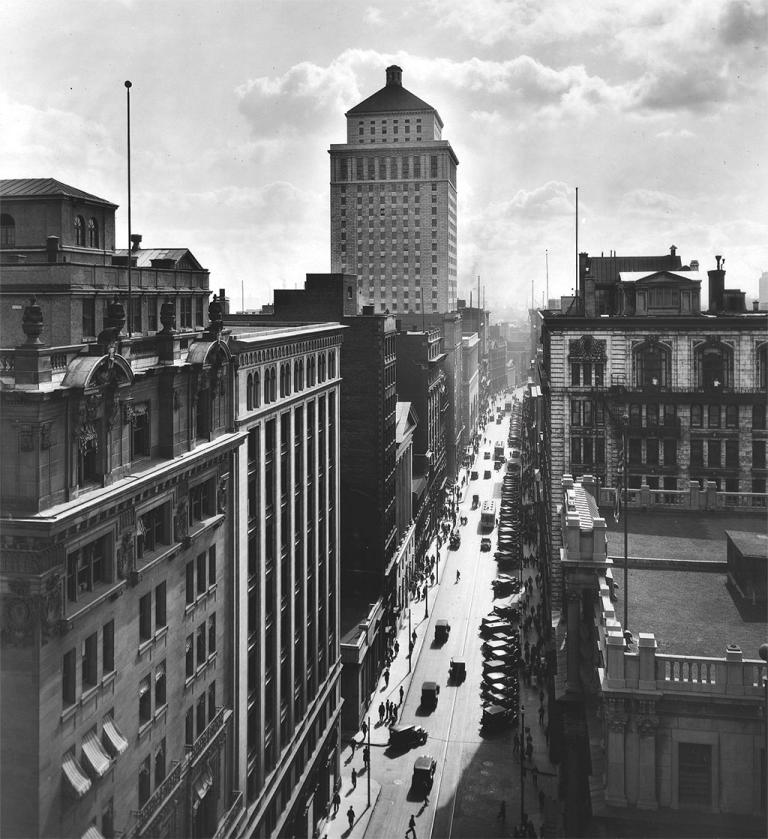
{"x": 338, "y": 827}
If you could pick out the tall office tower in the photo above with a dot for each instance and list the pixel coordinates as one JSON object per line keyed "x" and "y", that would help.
{"x": 393, "y": 203}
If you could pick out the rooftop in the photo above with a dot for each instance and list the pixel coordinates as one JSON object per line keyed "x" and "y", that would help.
{"x": 750, "y": 544}
{"x": 392, "y": 97}
{"x": 45, "y": 188}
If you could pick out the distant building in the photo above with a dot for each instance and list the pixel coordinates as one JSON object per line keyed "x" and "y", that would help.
{"x": 116, "y": 556}
{"x": 470, "y": 393}
{"x": 393, "y": 203}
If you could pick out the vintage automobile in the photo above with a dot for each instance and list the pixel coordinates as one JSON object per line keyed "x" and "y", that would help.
{"x": 429, "y": 692}
{"x": 423, "y": 776}
{"x": 457, "y": 672}
{"x": 475, "y": 500}
{"x": 485, "y": 543}
{"x": 473, "y": 475}
{"x": 454, "y": 541}
{"x": 406, "y": 736}
{"x": 495, "y": 717}
{"x": 486, "y": 474}
{"x": 442, "y": 631}
{"x": 487, "y": 454}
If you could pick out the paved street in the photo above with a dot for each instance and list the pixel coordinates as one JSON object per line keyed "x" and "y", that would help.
{"x": 474, "y": 772}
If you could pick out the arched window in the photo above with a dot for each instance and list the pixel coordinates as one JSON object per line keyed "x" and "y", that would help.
{"x": 256, "y": 390}
{"x": 762, "y": 367}
{"x": 332, "y": 364}
{"x": 288, "y": 379}
{"x": 80, "y": 231}
{"x": 282, "y": 381}
{"x": 321, "y": 367}
{"x": 652, "y": 365}
{"x": 7, "y": 231}
{"x": 266, "y": 387}
{"x": 296, "y": 374}
{"x": 249, "y": 393}
{"x": 93, "y": 233}
{"x": 300, "y": 384}
{"x": 714, "y": 364}
{"x": 272, "y": 384}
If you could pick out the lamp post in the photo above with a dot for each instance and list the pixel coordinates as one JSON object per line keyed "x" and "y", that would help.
{"x": 410, "y": 640}
{"x": 368, "y": 773}
{"x": 426, "y": 599}
{"x": 763, "y": 651}
{"x": 625, "y": 423}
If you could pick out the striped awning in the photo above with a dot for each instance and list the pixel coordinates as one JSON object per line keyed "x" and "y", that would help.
{"x": 79, "y": 782}
{"x": 95, "y": 754}
{"x": 113, "y": 739}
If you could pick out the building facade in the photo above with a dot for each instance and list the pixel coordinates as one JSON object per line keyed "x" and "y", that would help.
{"x": 393, "y": 203}
{"x": 116, "y": 581}
{"x": 287, "y": 581}
{"x": 691, "y": 385}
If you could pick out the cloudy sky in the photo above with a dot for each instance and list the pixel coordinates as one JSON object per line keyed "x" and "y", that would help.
{"x": 656, "y": 110}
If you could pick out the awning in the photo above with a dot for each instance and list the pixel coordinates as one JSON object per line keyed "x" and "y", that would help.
{"x": 203, "y": 783}
{"x": 93, "y": 832}
{"x": 79, "y": 782}
{"x": 113, "y": 739}
{"x": 95, "y": 754}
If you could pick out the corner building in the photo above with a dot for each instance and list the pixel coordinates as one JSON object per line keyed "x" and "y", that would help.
{"x": 393, "y": 203}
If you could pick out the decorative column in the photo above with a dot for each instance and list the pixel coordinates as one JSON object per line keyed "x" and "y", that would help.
{"x": 615, "y": 724}
{"x": 573, "y": 599}
{"x": 647, "y": 725}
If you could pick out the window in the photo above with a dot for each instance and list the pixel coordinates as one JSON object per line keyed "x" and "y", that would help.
{"x": 152, "y": 530}
{"x": 199, "y": 502}
{"x": 79, "y": 231}
{"x": 189, "y": 728}
{"x": 696, "y": 416}
{"x": 135, "y": 314}
{"x": 89, "y": 662}
{"x": 144, "y": 782}
{"x": 713, "y": 454}
{"x": 145, "y": 701}
{"x": 758, "y": 417}
{"x": 201, "y": 715}
{"x": 652, "y": 452}
{"x": 652, "y": 414}
{"x": 575, "y": 375}
{"x": 713, "y": 416}
{"x": 670, "y": 415}
{"x": 140, "y": 431}
{"x": 652, "y": 365}
{"x": 697, "y": 453}
{"x": 108, "y": 647}
{"x": 635, "y": 452}
{"x": 108, "y": 820}
{"x": 145, "y": 617}
{"x": 731, "y": 416}
{"x": 160, "y": 606}
{"x": 87, "y": 567}
{"x": 199, "y": 312}
{"x": 670, "y": 452}
{"x": 189, "y": 647}
{"x": 160, "y": 764}
{"x": 211, "y": 701}
{"x": 160, "y": 693}
{"x": 7, "y": 231}
{"x": 201, "y": 644}
{"x": 190, "y": 582}
{"x": 89, "y": 317}
{"x": 152, "y": 314}
{"x": 731, "y": 454}
{"x": 185, "y": 312}
{"x": 212, "y": 634}
{"x": 758, "y": 454}
{"x": 433, "y": 166}
{"x": 93, "y": 233}
{"x": 68, "y": 678}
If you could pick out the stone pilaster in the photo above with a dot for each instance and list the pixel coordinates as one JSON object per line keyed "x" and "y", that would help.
{"x": 615, "y": 724}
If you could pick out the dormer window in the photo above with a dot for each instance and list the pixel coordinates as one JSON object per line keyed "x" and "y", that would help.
{"x": 80, "y": 231}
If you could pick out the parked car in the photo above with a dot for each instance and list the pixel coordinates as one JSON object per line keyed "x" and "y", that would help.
{"x": 487, "y": 474}
{"x": 457, "y": 671}
{"x": 442, "y": 631}
{"x": 406, "y": 736}
{"x": 487, "y": 454}
{"x": 485, "y": 543}
{"x": 423, "y": 776}
{"x": 475, "y": 499}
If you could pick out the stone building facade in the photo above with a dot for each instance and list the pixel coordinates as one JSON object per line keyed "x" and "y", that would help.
{"x": 116, "y": 582}
{"x": 393, "y": 203}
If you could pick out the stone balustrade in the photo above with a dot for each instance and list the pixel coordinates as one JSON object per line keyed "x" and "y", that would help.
{"x": 695, "y": 498}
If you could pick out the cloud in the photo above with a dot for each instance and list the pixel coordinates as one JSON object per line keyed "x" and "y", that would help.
{"x": 675, "y": 134}
{"x": 553, "y": 198}
{"x": 742, "y": 21}
{"x": 372, "y": 16}
{"x": 651, "y": 202}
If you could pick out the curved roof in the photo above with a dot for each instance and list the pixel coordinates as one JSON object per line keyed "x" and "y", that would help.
{"x": 45, "y": 188}
{"x": 82, "y": 371}
{"x": 199, "y": 351}
{"x": 392, "y": 97}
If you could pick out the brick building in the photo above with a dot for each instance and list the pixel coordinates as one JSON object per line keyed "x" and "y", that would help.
{"x": 287, "y": 580}
{"x": 117, "y": 535}
{"x": 393, "y": 203}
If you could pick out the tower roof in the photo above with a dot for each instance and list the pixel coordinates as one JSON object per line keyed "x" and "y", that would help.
{"x": 45, "y": 188}
{"x": 392, "y": 97}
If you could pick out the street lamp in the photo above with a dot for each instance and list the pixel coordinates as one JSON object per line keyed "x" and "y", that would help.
{"x": 625, "y": 424}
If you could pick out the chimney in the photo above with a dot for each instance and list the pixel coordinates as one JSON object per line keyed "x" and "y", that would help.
{"x": 224, "y": 300}
{"x": 755, "y": 305}
{"x": 672, "y": 250}
{"x": 135, "y": 242}
{"x": 394, "y": 76}
{"x": 716, "y": 286}
{"x": 694, "y": 265}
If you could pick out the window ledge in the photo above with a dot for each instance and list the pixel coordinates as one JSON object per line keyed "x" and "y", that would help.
{"x": 160, "y": 713}
{"x": 144, "y": 728}
{"x": 108, "y": 678}
{"x": 93, "y": 599}
{"x": 149, "y": 643}
{"x": 68, "y": 712}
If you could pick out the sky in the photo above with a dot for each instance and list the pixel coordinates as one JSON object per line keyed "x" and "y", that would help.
{"x": 655, "y": 110}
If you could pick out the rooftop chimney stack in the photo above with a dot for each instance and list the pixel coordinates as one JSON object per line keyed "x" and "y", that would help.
{"x": 672, "y": 250}
{"x": 135, "y": 241}
{"x": 716, "y": 285}
{"x": 394, "y": 76}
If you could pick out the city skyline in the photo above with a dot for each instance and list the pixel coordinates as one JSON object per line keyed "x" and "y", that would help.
{"x": 234, "y": 108}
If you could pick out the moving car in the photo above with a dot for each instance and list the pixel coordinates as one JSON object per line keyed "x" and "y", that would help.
{"x": 423, "y": 775}
{"x": 429, "y": 692}
{"x": 475, "y": 501}
{"x": 485, "y": 543}
{"x": 442, "y": 631}
{"x": 458, "y": 670}
{"x": 405, "y": 736}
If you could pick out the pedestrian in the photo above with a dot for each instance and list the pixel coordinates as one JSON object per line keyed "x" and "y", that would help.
{"x": 458, "y": 576}
{"x": 351, "y": 816}
{"x": 516, "y": 743}
{"x": 336, "y": 803}
{"x": 529, "y": 750}
{"x": 367, "y": 756}
{"x": 386, "y": 677}
{"x": 535, "y": 776}
{"x": 353, "y": 743}
{"x": 413, "y": 636}
{"x": 364, "y": 727}
{"x": 397, "y": 648}
{"x": 411, "y": 826}
{"x": 502, "y": 814}
{"x": 402, "y": 693}
{"x": 541, "y": 714}
{"x": 354, "y": 781}
{"x": 382, "y": 709}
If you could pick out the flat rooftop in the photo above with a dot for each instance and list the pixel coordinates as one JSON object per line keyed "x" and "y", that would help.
{"x": 699, "y": 536}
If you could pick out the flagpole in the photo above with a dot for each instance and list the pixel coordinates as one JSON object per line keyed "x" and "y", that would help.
{"x": 128, "y": 131}
{"x": 625, "y": 425}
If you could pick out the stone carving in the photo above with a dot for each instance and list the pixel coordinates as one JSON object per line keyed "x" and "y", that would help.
{"x": 181, "y": 520}
{"x": 32, "y": 322}
{"x": 129, "y": 415}
{"x": 112, "y": 410}
{"x": 45, "y": 436}
{"x": 126, "y": 561}
{"x": 646, "y": 726}
{"x": 22, "y": 610}
{"x": 588, "y": 348}
{"x": 221, "y": 495}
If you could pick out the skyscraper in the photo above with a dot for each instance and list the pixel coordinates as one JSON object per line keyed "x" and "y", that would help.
{"x": 393, "y": 203}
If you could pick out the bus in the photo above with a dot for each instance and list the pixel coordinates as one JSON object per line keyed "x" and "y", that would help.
{"x": 488, "y": 515}
{"x": 498, "y": 451}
